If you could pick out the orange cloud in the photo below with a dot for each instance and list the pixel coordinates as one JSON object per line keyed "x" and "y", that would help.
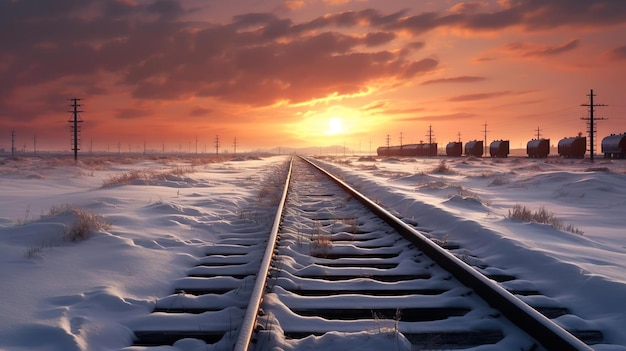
{"x": 461, "y": 79}
{"x": 531, "y": 49}
{"x": 468, "y": 7}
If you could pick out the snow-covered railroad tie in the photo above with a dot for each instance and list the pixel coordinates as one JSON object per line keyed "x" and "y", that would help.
{"x": 345, "y": 274}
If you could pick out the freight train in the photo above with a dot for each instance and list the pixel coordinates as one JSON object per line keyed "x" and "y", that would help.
{"x": 613, "y": 146}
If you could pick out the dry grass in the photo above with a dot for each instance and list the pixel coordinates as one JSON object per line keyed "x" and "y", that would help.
{"x": 84, "y": 223}
{"x": 321, "y": 241}
{"x": 124, "y": 178}
{"x": 442, "y": 168}
{"x": 145, "y": 176}
{"x": 541, "y": 216}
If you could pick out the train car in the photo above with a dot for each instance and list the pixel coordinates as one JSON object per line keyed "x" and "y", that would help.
{"x": 409, "y": 150}
{"x": 428, "y": 149}
{"x": 454, "y": 148}
{"x": 499, "y": 148}
{"x": 538, "y": 148}
{"x": 387, "y": 151}
{"x": 574, "y": 147}
{"x": 420, "y": 150}
{"x": 382, "y": 151}
{"x": 474, "y": 148}
{"x": 614, "y": 146}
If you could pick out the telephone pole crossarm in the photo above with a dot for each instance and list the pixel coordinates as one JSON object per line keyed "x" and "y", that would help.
{"x": 591, "y": 121}
{"x": 75, "y": 126}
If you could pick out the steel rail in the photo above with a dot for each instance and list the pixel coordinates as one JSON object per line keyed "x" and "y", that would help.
{"x": 545, "y": 331}
{"x": 244, "y": 338}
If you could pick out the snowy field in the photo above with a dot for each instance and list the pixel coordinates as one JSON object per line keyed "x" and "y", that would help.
{"x": 155, "y": 216}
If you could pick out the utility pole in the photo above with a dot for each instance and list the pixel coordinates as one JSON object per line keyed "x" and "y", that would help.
{"x": 12, "y": 143}
{"x": 217, "y": 145}
{"x": 459, "y": 136}
{"x": 35, "y": 145}
{"x": 235, "y": 146}
{"x": 538, "y": 133}
{"x": 430, "y": 134}
{"x": 387, "y": 145}
{"x": 75, "y": 126}
{"x": 430, "y": 141}
{"x": 485, "y": 131}
{"x": 592, "y": 122}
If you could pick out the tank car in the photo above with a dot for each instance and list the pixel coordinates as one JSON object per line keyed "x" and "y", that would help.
{"x": 614, "y": 146}
{"x": 573, "y": 147}
{"x": 387, "y": 151}
{"x": 538, "y": 148}
{"x": 454, "y": 148}
{"x": 499, "y": 148}
{"x": 474, "y": 148}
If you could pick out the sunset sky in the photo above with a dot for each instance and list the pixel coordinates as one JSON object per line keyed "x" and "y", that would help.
{"x": 296, "y": 73}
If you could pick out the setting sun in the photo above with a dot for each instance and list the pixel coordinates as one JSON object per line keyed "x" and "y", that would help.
{"x": 335, "y": 126}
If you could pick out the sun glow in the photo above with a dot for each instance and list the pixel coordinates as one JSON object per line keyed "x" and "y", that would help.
{"x": 335, "y": 126}
{"x": 332, "y": 125}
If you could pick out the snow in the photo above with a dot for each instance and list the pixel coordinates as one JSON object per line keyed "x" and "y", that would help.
{"x": 90, "y": 295}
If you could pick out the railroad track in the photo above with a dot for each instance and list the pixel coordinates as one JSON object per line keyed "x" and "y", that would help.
{"x": 338, "y": 267}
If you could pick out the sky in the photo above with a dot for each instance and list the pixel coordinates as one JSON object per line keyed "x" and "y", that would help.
{"x": 175, "y": 75}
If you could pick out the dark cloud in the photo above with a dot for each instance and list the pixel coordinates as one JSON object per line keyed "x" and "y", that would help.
{"x": 618, "y": 53}
{"x": 419, "y": 67}
{"x": 131, "y": 113}
{"x": 165, "y": 8}
{"x": 461, "y": 79}
{"x": 479, "y": 96}
{"x": 256, "y": 58}
{"x": 200, "y": 111}
{"x": 530, "y": 49}
{"x": 490, "y": 95}
{"x": 379, "y": 38}
{"x": 530, "y": 14}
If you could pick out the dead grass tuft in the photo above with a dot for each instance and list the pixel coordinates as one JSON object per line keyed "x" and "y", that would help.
{"x": 442, "y": 168}
{"x": 542, "y": 216}
{"x": 84, "y": 223}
